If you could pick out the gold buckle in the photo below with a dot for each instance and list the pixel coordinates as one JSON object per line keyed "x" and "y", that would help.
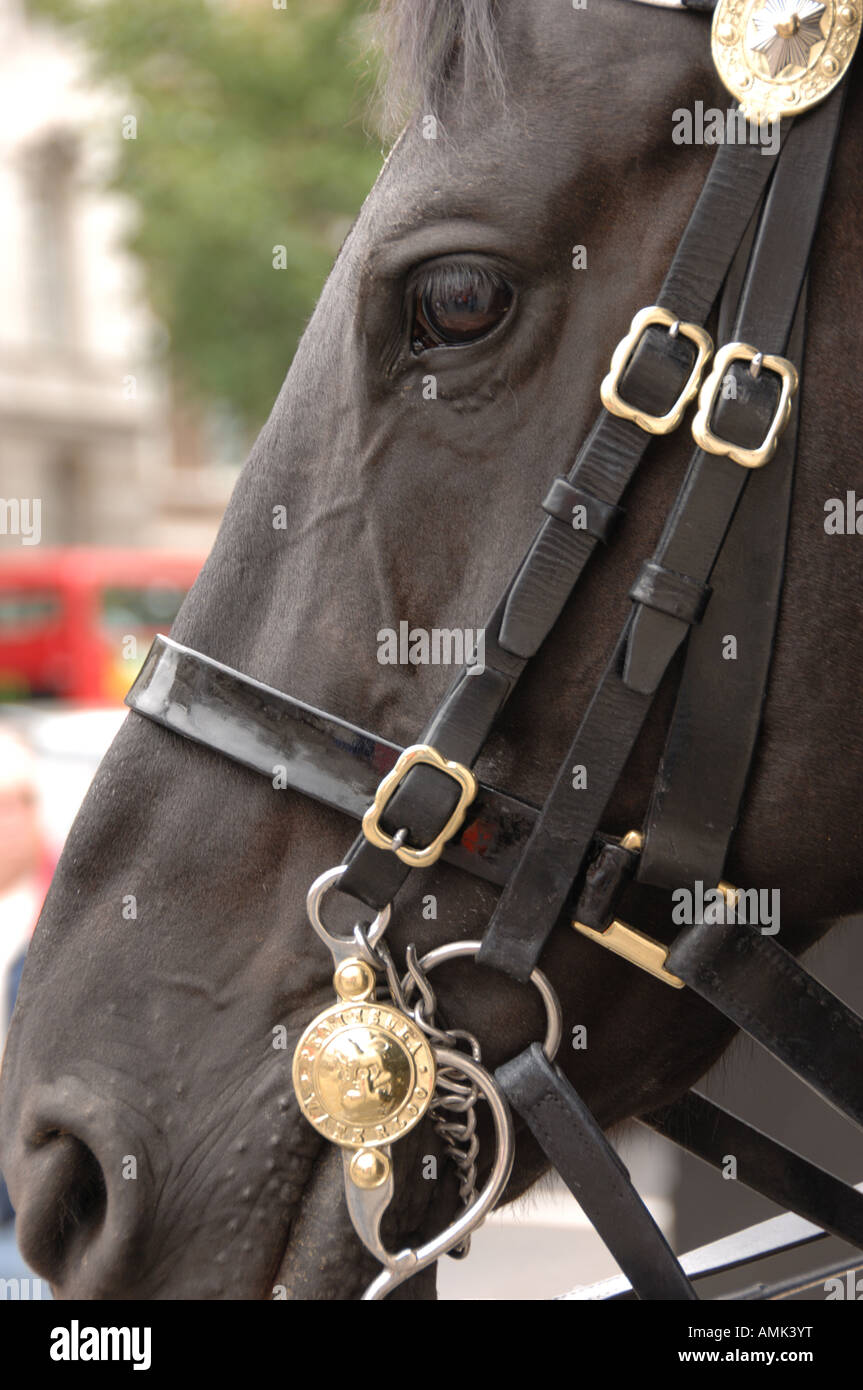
{"x": 712, "y": 443}
{"x": 419, "y": 753}
{"x": 611, "y": 399}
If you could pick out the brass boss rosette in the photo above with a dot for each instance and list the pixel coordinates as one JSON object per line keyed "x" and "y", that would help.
{"x": 363, "y": 1072}
{"x": 780, "y": 57}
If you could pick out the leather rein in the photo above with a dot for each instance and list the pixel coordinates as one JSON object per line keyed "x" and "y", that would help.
{"x": 371, "y": 1066}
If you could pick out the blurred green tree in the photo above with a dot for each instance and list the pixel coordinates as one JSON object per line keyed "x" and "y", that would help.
{"x": 250, "y": 134}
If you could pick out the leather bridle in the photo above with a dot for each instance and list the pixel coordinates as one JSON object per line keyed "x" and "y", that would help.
{"x": 746, "y": 249}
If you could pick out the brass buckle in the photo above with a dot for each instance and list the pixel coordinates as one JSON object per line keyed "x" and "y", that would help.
{"x": 611, "y": 398}
{"x": 712, "y": 443}
{"x": 419, "y": 753}
{"x": 635, "y": 946}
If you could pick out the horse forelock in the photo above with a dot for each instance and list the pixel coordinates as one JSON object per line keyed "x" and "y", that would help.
{"x": 422, "y": 41}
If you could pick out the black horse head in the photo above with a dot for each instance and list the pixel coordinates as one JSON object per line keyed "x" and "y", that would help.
{"x": 451, "y": 369}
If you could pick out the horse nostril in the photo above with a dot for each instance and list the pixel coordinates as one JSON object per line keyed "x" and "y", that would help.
{"x": 65, "y": 1206}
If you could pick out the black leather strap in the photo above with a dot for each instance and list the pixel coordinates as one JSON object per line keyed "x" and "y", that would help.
{"x": 299, "y": 747}
{"x": 608, "y": 460}
{"x": 571, "y": 1138}
{"x": 691, "y": 541}
{"x": 778, "y": 1173}
{"x": 425, "y": 799}
{"x": 697, "y": 525}
{"x": 756, "y": 983}
{"x": 534, "y": 897}
{"x": 698, "y": 793}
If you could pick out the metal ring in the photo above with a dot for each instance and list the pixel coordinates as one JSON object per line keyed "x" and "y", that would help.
{"x": 454, "y": 949}
{"x": 322, "y": 885}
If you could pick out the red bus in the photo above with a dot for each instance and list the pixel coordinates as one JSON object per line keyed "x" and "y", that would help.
{"x": 75, "y": 624}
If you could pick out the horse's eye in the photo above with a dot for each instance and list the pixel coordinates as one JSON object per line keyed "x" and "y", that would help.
{"x": 458, "y": 304}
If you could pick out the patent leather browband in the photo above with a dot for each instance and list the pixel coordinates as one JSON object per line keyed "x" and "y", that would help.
{"x": 303, "y": 749}
{"x": 300, "y": 748}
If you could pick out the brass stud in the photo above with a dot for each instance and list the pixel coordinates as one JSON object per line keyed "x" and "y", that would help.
{"x": 830, "y": 66}
{"x": 354, "y": 979}
{"x": 729, "y": 893}
{"x": 725, "y": 33}
{"x": 847, "y": 15}
{"x": 369, "y": 1169}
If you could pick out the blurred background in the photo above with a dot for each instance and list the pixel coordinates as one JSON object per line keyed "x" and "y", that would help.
{"x": 176, "y": 178}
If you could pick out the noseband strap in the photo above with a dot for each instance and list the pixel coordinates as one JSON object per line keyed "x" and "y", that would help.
{"x": 300, "y": 748}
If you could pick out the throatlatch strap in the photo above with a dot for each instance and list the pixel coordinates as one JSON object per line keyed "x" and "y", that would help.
{"x": 574, "y": 1143}
{"x": 603, "y": 470}
{"x": 691, "y": 541}
{"x": 783, "y": 1176}
{"x": 761, "y": 987}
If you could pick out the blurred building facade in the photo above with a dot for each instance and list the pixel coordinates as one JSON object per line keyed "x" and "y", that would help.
{"x": 88, "y": 424}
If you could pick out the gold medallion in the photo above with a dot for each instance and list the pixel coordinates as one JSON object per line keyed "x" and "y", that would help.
{"x": 364, "y": 1074}
{"x": 779, "y": 57}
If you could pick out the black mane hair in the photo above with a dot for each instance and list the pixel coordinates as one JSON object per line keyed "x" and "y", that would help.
{"x": 422, "y": 41}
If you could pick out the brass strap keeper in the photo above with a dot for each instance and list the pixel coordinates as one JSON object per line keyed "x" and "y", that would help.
{"x": 634, "y": 946}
